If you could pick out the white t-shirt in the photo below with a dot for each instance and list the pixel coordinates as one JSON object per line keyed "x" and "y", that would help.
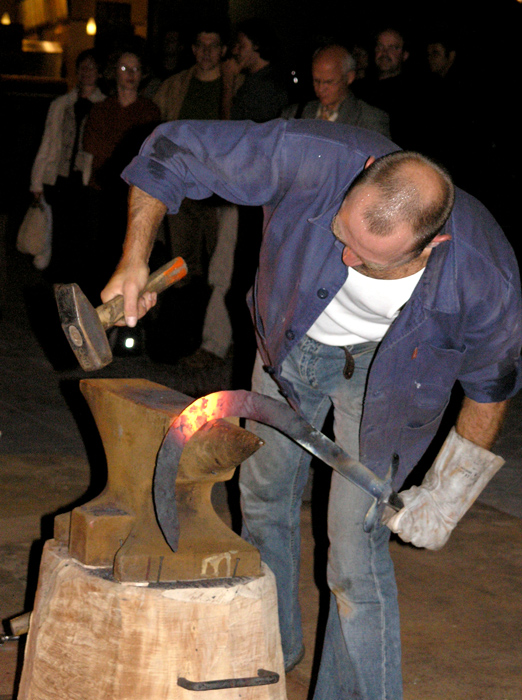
{"x": 363, "y": 309}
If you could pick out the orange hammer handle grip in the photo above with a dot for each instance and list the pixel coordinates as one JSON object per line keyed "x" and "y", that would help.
{"x": 172, "y": 272}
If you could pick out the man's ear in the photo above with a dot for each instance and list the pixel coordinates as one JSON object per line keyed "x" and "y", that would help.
{"x": 369, "y": 162}
{"x": 439, "y": 238}
{"x": 350, "y": 77}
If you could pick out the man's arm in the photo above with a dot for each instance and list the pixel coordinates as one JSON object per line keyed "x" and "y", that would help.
{"x": 238, "y": 161}
{"x": 130, "y": 277}
{"x": 480, "y": 422}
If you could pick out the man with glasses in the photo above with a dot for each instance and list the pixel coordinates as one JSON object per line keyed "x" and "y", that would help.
{"x": 333, "y": 71}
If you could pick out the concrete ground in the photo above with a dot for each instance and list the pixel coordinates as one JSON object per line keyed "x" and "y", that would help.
{"x": 461, "y": 607}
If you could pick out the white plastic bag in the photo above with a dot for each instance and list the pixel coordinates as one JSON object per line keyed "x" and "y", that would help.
{"x": 35, "y": 234}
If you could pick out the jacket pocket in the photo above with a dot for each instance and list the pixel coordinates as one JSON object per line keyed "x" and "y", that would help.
{"x": 435, "y": 371}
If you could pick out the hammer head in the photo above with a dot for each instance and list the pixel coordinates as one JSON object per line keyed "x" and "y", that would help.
{"x": 82, "y": 327}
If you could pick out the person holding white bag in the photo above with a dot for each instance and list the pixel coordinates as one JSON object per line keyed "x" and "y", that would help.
{"x": 59, "y": 170}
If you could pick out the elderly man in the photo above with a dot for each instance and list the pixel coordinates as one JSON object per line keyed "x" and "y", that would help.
{"x": 369, "y": 297}
{"x": 333, "y": 71}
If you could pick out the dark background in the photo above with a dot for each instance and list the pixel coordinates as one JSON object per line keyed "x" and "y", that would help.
{"x": 488, "y": 51}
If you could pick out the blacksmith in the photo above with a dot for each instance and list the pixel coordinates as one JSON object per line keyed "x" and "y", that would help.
{"x": 379, "y": 286}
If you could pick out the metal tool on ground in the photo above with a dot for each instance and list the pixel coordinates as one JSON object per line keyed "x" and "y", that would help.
{"x": 19, "y": 625}
{"x": 264, "y": 409}
{"x": 85, "y": 327}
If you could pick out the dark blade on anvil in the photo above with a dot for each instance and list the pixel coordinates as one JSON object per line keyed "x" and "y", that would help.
{"x": 263, "y": 409}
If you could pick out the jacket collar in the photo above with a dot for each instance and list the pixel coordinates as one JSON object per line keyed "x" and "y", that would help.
{"x": 438, "y": 287}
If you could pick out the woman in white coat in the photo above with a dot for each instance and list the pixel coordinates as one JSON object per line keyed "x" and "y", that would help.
{"x": 60, "y": 170}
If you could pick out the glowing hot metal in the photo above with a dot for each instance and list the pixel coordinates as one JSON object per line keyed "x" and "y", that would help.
{"x": 247, "y": 404}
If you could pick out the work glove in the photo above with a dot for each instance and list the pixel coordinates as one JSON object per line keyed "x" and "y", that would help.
{"x": 451, "y": 485}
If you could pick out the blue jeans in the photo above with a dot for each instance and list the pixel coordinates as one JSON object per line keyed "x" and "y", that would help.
{"x": 361, "y": 653}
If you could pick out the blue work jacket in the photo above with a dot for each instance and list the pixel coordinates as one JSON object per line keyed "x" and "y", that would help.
{"x": 462, "y": 322}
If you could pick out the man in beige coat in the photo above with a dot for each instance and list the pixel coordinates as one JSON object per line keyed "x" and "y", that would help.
{"x": 203, "y": 233}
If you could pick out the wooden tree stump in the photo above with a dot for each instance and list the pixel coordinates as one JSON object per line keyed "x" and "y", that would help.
{"x": 95, "y": 638}
{"x": 119, "y": 615}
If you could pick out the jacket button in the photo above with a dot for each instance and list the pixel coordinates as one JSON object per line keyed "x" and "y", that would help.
{"x": 268, "y": 369}
{"x": 290, "y": 335}
{"x": 322, "y": 293}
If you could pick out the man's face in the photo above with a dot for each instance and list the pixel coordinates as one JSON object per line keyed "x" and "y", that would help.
{"x": 382, "y": 257}
{"x": 88, "y": 73}
{"x": 172, "y": 48}
{"x": 330, "y": 84}
{"x": 244, "y": 52}
{"x": 208, "y": 50}
{"x": 438, "y": 59}
{"x": 389, "y": 54}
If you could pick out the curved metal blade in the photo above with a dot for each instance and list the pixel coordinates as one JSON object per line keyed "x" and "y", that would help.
{"x": 264, "y": 409}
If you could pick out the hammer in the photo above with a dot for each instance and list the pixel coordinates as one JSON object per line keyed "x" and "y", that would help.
{"x": 85, "y": 327}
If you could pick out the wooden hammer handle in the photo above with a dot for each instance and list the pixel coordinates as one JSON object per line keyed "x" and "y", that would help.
{"x": 173, "y": 271}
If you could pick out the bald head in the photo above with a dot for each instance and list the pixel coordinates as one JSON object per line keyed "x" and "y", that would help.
{"x": 405, "y": 187}
{"x": 337, "y": 56}
{"x": 333, "y": 70}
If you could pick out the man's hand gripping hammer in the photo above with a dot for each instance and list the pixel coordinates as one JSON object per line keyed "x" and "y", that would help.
{"x": 85, "y": 327}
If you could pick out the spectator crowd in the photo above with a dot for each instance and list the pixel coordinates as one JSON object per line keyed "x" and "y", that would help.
{"x": 423, "y": 100}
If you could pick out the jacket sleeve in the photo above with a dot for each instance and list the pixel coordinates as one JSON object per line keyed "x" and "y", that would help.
{"x": 493, "y": 372}
{"x": 378, "y": 120}
{"x": 49, "y": 146}
{"x": 95, "y": 143}
{"x": 171, "y": 93}
{"x": 490, "y": 303}
{"x": 239, "y": 161}
{"x": 383, "y": 124}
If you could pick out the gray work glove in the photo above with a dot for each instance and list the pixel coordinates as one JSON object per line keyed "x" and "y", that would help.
{"x": 431, "y": 510}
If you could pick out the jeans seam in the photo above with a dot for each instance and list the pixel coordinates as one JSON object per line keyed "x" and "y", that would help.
{"x": 306, "y": 368}
{"x": 383, "y": 618}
